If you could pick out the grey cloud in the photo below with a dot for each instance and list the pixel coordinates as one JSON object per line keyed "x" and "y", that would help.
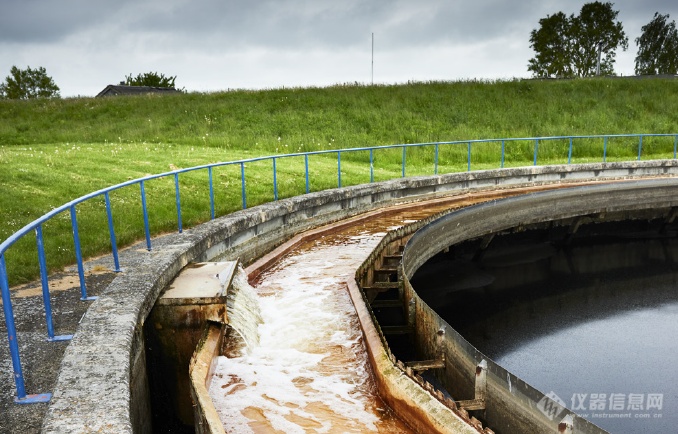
{"x": 301, "y": 24}
{"x": 645, "y": 10}
{"x": 297, "y": 24}
{"x": 51, "y": 21}
{"x": 250, "y": 39}
{"x": 287, "y": 23}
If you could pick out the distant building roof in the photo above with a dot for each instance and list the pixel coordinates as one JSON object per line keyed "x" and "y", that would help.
{"x": 122, "y": 89}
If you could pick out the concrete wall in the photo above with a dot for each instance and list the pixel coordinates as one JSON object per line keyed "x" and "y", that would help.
{"x": 511, "y": 404}
{"x": 102, "y": 385}
{"x": 201, "y": 371}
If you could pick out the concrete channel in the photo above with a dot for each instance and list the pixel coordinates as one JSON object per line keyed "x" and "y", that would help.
{"x": 108, "y": 356}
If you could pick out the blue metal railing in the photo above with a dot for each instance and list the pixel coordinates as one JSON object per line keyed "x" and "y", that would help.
{"x": 36, "y": 225}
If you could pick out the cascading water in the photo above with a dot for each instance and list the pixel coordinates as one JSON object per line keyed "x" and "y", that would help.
{"x": 242, "y": 307}
{"x": 310, "y": 371}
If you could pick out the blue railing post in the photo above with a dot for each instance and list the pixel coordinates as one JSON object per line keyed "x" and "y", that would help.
{"x": 435, "y": 160}
{"x": 371, "y": 165}
{"x": 43, "y": 280}
{"x": 18, "y": 375}
{"x": 569, "y": 152}
{"x": 177, "y": 196}
{"x": 605, "y": 149}
{"x": 275, "y": 181}
{"x": 308, "y": 185}
{"x": 468, "y": 157}
{"x": 111, "y": 233}
{"x": 675, "y": 147}
{"x": 640, "y": 146}
{"x": 243, "y": 190}
{"x": 402, "y": 162}
{"x": 338, "y": 169}
{"x": 144, "y": 209}
{"x": 78, "y": 256}
{"x": 211, "y": 182}
{"x": 46, "y": 299}
{"x": 536, "y": 149}
{"x": 503, "y": 150}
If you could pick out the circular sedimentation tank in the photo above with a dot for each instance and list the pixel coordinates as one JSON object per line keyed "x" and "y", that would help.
{"x": 113, "y": 323}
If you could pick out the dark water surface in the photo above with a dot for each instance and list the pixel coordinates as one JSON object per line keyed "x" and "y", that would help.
{"x": 596, "y": 324}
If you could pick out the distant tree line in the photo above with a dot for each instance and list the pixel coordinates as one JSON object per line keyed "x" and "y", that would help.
{"x": 32, "y": 83}
{"x": 585, "y": 45}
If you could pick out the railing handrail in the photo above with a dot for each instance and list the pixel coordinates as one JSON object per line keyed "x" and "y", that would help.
{"x": 36, "y": 225}
{"x": 9, "y": 241}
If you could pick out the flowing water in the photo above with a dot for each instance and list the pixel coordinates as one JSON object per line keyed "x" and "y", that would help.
{"x": 599, "y": 346}
{"x": 244, "y": 311}
{"x": 309, "y": 372}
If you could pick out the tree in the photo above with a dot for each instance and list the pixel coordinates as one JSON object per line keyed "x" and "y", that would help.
{"x": 152, "y": 79}
{"x": 577, "y": 46}
{"x": 657, "y": 47}
{"x": 551, "y": 43}
{"x": 28, "y": 83}
{"x": 598, "y": 35}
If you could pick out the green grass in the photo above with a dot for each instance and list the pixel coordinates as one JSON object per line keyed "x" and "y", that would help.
{"x": 53, "y": 151}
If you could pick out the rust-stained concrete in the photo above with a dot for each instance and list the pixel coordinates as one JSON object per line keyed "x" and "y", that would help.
{"x": 174, "y": 328}
{"x": 201, "y": 370}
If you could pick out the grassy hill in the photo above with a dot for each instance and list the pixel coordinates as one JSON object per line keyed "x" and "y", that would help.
{"x": 52, "y": 151}
{"x": 349, "y": 116}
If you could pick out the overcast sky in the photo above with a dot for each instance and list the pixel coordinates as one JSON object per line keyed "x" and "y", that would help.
{"x": 213, "y": 45}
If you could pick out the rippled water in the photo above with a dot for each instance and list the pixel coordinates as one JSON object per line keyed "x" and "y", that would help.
{"x": 619, "y": 372}
{"x": 604, "y": 341}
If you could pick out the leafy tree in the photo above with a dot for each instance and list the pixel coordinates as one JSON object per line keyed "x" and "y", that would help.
{"x": 657, "y": 47}
{"x": 28, "y": 83}
{"x": 577, "y": 46}
{"x": 598, "y": 35}
{"x": 152, "y": 79}
{"x": 551, "y": 43}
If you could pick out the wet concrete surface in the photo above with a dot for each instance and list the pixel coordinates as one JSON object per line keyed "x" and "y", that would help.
{"x": 40, "y": 359}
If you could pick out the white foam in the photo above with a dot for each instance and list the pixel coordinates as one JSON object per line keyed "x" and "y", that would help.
{"x": 309, "y": 372}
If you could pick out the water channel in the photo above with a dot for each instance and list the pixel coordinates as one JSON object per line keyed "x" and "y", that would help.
{"x": 310, "y": 371}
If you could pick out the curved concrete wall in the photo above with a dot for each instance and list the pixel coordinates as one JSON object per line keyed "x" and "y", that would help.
{"x": 511, "y": 404}
{"x": 102, "y": 385}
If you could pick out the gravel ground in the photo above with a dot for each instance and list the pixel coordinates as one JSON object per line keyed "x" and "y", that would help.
{"x": 40, "y": 359}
